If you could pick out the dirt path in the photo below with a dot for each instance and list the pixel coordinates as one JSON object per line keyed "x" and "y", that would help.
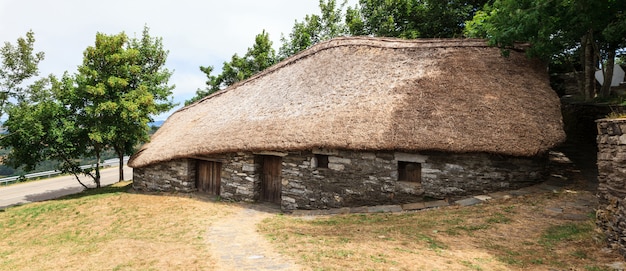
{"x": 238, "y": 246}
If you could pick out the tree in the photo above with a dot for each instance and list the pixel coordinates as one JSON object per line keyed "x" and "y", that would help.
{"x": 107, "y": 104}
{"x": 395, "y": 18}
{"x": 43, "y": 129}
{"x": 588, "y": 32}
{"x": 315, "y": 29}
{"x": 258, "y": 58}
{"x": 411, "y": 18}
{"x": 146, "y": 94}
{"x": 120, "y": 84}
{"x": 19, "y": 63}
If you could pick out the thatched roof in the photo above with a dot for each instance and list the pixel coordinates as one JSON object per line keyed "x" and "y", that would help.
{"x": 374, "y": 94}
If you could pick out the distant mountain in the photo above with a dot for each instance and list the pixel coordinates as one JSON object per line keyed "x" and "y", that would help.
{"x": 156, "y": 123}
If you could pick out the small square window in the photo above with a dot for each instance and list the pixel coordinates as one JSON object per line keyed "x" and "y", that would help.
{"x": 322, "y": 160}
{"x": 409, "y": 172}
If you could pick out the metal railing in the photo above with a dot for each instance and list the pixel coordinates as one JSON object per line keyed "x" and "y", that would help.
{"x": 50, "y": 173}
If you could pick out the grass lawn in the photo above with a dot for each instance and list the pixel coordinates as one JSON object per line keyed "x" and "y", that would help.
{"x": 109, "y": 229}
{"x": 513, "y": 234}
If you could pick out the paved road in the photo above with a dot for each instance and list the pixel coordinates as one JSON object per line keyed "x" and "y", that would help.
{"x": 54, "y": 187}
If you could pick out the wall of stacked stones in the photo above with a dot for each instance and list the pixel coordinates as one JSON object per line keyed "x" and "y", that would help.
{"x": 176, "y": 175}
{"x": 370, "y": 178}
{"x": 351, "y": 178}
{"x": 240, "y": 177}
{"x": 611, "y": 214}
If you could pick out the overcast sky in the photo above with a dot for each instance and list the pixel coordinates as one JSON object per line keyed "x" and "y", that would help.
{"x": 195, "y": 32}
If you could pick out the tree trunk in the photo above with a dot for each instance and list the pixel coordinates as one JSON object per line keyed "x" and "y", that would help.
{"x": 589, "y": 67}
{"x": 605, "y": 91}
{"x": 97, "y": 178}
{"x": 120, "y": 155}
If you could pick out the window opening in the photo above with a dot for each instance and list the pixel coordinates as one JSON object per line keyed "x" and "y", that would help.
{"x": 322, "y": 160}
{"x": 409, "y": 172}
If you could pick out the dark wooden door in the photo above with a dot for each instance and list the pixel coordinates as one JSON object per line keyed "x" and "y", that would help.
{"x": 271, "y": 179}
{"x": 209, "y": 177}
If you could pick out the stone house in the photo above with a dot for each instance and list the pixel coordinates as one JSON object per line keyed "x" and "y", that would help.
{"x": 363, "y": 121}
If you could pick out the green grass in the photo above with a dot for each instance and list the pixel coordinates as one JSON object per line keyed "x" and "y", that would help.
{"x": 566, "y": 232}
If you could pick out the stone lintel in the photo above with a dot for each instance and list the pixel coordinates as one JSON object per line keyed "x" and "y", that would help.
{"x": 324, "y": 151}
{"x": 272, "y": 153}
{"x": 410, "y": 157}
{"x": 209, "y": 158}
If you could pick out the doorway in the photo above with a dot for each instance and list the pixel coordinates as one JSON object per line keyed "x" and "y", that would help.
{"x": 271, "y": 183}
{"x": 209, "y": 176}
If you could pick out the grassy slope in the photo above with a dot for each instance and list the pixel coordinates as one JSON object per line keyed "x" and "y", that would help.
{"x": 108, "y": 230}
{"x": 514, "y": 234}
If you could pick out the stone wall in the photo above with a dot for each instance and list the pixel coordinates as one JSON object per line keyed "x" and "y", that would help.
{"x": 175, "y": 175}
{"x": 455, "y": 175}
{"x": 611, "y": 214}
{"x": 371, "y": 178}
{"x": 351, "y": 178}
{"x": 240, "y": 178}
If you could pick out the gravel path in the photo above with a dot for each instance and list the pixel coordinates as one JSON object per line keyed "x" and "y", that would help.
{"x": 238, "y": 246}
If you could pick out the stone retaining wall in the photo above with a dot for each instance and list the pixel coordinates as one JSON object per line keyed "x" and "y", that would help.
{"x": 611, "y": 214}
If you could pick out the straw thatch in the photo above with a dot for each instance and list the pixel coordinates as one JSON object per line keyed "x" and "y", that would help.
{"x": 374, "y": 94}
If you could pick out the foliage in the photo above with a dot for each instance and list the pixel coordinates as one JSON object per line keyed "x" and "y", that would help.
{"x": 314, "y": 29}
{"x": 580, "y": 31}
{"x": 259, "y": 57}
{"x": 411, "y": 18}
{"x": 45, "y": 130}
{"x": 144, "y": 92}
{"x": 107, "y": 104}
{"x": 120, "y": 84}
{"x": 19, "y": 63}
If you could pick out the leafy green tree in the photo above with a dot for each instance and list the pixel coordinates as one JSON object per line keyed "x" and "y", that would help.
{"x": 384, "y": 18}
{"x": 19, "y": 63}
{"x": 588, "y": 32}
{"x": 147, "y": 93}
{"x": 314, "y": 29}
{"x": 411, "y": 18}
{"x": 120, "y": 84}
{"x": 258, "y": 58}
{"x": 107, "y": 104}
{"x": 47, "y": 130}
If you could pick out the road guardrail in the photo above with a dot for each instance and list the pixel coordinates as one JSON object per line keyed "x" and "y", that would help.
{"x": 50, "y": 173}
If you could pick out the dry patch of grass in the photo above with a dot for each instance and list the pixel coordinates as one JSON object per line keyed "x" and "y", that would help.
{"x": 109, "y": 229}
{"x": 514, "y": 234}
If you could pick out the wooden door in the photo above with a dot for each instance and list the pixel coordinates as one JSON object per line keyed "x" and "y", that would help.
{"x": 271, "y": 179}
{"x": 209, "y": 177}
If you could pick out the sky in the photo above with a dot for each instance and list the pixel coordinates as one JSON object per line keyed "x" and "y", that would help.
{"x": 196, "y": 33}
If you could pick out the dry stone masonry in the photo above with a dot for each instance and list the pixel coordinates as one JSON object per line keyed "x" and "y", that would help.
{"x": 611, "y": 214}
{"x": 172, "y": 176}
{"x": 325, "y": 179}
